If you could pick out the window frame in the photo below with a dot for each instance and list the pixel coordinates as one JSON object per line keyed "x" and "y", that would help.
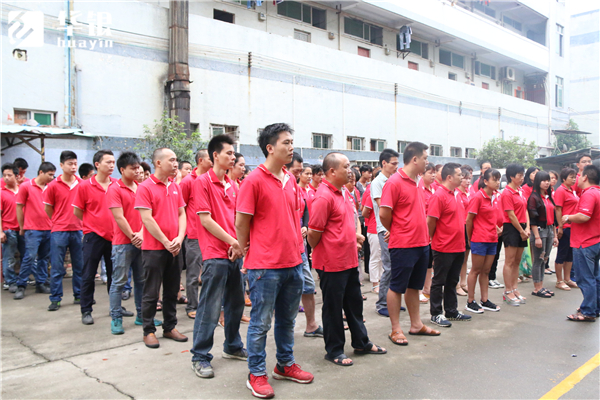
{"x": 452, "y": 56}
{"x": 235, "y": 134}
{"x": 559, "y": 88}
{"x": 350, "y": 140}
{"x": 560, "y": 37}
{"x": 378, "y": 142}
{"x": 364, "y": 24}
{"x": 436, "y": 146}
{"x": 470, "y": 152}
{"x": 457, "y": 150}
{"x": 31, "y": 115}
{"x": 402, "y": 143}
{"x": 322, "y": 136}
{"x": 302, "y": 20}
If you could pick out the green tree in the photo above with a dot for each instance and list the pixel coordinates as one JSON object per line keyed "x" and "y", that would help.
{"x": 503, "y": 152}
{"x": 169, "y": 132}
{"x": 569, "y": 141}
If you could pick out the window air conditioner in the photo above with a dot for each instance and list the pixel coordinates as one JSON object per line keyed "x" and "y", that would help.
{"x": 508, "y": 74}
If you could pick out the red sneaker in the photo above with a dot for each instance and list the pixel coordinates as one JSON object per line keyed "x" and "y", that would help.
{"x": 293, "y": 373}
{"x": 260, "y": 386}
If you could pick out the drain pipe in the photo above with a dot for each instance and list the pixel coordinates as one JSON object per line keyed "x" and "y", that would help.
{"x": 67, "y": 88}
{"x": 179, "y": 72}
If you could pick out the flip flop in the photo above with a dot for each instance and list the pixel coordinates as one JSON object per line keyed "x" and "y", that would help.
{"x": 579, "y": 317}
{"x": 369, "y": 349}
{"x": 182, "y": 300}
{"x": 339, "y": 361}
{"x": 191, "y": 315}
{"x": 425, "y": 331}
{"x": 396, "y": 336}
{"x": 542, "y": 294}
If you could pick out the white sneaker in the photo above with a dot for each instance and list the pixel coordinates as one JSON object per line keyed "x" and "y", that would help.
{"x": 500, "y": 285}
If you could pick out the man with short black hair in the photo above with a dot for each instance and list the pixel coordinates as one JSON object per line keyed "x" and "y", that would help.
{"x": 9, "y": 227}
{"x": 22, "y": 165}
{"x": 66, "y": 230}
{"x": 483, "y": 166}
{"x": 583, "y": 160}
{"x": 317, "y": 177}
{"x": 35, "y": 225}
{"x": 366, "y": 172}
{"x": 86, "y": 171}
{"x": 147, "y": 170}
{"x": 186, "y": 168}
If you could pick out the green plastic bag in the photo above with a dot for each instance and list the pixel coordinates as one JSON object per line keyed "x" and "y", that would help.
{"x": 526, "y": 262}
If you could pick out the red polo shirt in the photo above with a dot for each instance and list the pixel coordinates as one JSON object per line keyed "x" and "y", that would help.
{"x": 60, "y": 195}
{"x": 426, "y": 193}
{"x": 367, "y": 202}
{"x": 333, "y": 216}
{"x": 549, "y": 210}
{"x": 3, "y": 184}
{"x": 474, "y": 188}
{"x": 435, "y": 185}
{"x": 486, "y": 216}
{"x": 449, "y": 235}
{"x": 191, "y": 207}
{"x": 165, "y": 202}
{"x": 120, "y": 196}
{"x": 499, "y": 211}
{"x": 464, "y": 201}
{"x": 308, "y": 195}
{"x": 576, "y": 187}
{"x": 513, "y": 200}
{"x": 568, "y": 200}
{"x": 526, "y": 190}
{"x": 90, "y": 197}
{"x": 31, "y": 196}
{"x": 274, "y": 206}
{"x": 9, "y": 209}
{"x": 409, "y": 223}
{"x": 218, "y": 200}
{"x": 587, "y": 234}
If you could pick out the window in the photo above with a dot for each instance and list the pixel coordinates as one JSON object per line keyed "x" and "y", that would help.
{"x": 364, "y": 52}
{"x": 483, "y": 69}
{"x": 485, "y": 85}
{"x": 416, "y": 47}
{"x": 355, "y": 27}
{"x": 559, "y": 39}
{"x": 321, "y": 141}
{"x": 402, "y": 146}
{"x": 559, "y": 88}
{"x": 223, "y": 16}
{"x": 512, "y": 23}
{"x": 301, "y": 35}
{"x": 377, "y": 145}
{"x": 303, "y": 12}
{"x": 194, "y": 126}
{"x": 452, "y": 59}
{"x": 507, "y": 88}
{"x": 479, "y": 6}
{"x": 452, "y": 76}
{"x": 217, "y": 129}
{"x": 455, "y": 152}
{"x": 436, "y": 150}
{"x": 519, "y": 93}
{"x": 413, "y": 65}
{"x": 470, "y": 152}
{"x": 354, "y": 143}
{"x": 42, "y": 117}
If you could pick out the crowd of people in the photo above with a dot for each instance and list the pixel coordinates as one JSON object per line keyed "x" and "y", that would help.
{"x": 252, "y": 239}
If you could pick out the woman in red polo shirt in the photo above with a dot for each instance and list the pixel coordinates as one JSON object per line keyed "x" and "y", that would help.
{"x": 237, "y": 172}
{"x": 464, "y": 195}
{"x": 515, "y": 232}
{"x": 566, "y": 204}
{"x": 426, "y": 183}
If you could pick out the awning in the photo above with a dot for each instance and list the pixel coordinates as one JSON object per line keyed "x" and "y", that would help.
{"x": 570, "y": 132}
{"x": 563, "y": 159}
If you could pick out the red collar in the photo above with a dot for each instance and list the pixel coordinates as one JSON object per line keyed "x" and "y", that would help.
{"x": 286, "y": 177}
{"x": 406, "y": 177}
{"x": 122, "y": 185}
{"x": 566, "y": 188}
{"x": 157, "y": 181}
{"x": 59, "y": 179}
{"x": 213, "y": 177}
{"x": 7, "y": 189}
{"x": 330, "y": 186}
{"x": 590, "y": 187}
{"x": 512, "y": 190}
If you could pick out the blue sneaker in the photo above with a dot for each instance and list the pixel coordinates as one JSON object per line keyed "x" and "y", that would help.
{"x": 139, "y": 321}
{"x": 460, "y": 317}
{"x": 203, "y": 369}
{"x": 116, "y": 326}
{"x": 383, "y": 312}
{"x": 241, "y": 354}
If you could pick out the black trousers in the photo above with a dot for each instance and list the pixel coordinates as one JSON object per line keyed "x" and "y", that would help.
{"x": 366, "y": 249}
{"x": 341, "y": 291}
{"x": 94, "y": 248}
{"x": 446, "y": 274}
{"x": 494, "y": 268}
{"x": 160, "y": 267}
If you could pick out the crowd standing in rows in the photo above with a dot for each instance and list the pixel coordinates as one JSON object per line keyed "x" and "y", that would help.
{"x": 414, "y": 224}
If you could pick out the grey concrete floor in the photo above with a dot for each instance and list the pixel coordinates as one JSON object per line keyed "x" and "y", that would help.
{"x": 517, "y": 353}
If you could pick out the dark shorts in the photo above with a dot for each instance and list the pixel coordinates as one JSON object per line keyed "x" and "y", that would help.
{"x": 484, "y": 249}
{"x": 467, "y": 240}
{"x": 409, "y": 268}
{"x": 565, "y": 251}
{"x": 511, "y": 237}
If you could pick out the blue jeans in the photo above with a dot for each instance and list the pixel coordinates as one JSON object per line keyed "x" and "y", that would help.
{"x": 124, "y": 257}
{"x": 386, "y": 276}
{"x": 14, "y": 242}
{"x": 37, "y": 245}
{"x": 59, "y": 241}
{"x": 271, "y": 290}
{"x": 221, "y": 283}
{"x": 127, "y": 287}
{"x": 586, "y": 261}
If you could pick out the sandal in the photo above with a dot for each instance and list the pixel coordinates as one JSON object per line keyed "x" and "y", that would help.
{"x": 191, "y": 315}
{"x": 544, "y": 290}
{"x": 339, "y": 360}
{"x": 425, "y": 331}
{"x": 364, "y": 297}
{"x": 423, "y": 299}
{"x": 579, "y": 317}
{"x": 562, "y": 286}
{"x": 572, "y": 284}
{"x": 542, "y": 294}
{"x": 159, "y": 305}
{"x": 398, "y": 338}
{"x": 182, "y": 300}
{"x": 369, "y": 349}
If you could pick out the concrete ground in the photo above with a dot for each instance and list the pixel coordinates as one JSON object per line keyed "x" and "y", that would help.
{"x": 517, "y": 353}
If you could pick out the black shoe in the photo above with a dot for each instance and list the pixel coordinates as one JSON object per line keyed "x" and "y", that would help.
{"x": 86, "y": 318}
{"x": 125, "y": 295}
{"x": 126, "y": 313}
{"x": 20, "y": 293}
{"x": 54, "y": 306}
{"x": 76, "y": 300}
{"x": 12, "y": 288}
{"x": 42, "y": 289}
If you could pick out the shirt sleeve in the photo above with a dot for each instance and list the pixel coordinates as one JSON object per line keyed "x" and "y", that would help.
{"x": 559, "y": 197}
{"x": 182, "y": 202}
{"x": 587, "y": 204}
{"x": 79, "y": 198}
{"x": 22, "y": 195}
{"x": 474, "y": 205}
{"x": 435, "y": 207}
{"x": 507, "y": 202}
{"x": 246, "y": 201}
{"x": 187, "y": 188}
{"x": 143, "y": 198}
{"x": 320, "y": 214}
{"x": 388, "y": 196}
{"x": 113, "y": 198}
{"x": 367, "y": 201}
{"x": 200, "y": 193}
{"x": 49, "y": 194}
{"x": 376, "y": 190}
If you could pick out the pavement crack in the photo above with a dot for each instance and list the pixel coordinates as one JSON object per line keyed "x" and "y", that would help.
{"x": 99, "y": 380}
{"x": 22, "y": 343}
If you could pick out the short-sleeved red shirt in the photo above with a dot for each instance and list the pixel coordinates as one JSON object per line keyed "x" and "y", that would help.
{"x": 3, "y": 184}
{"x": 499, "y": 211}
{"x": 9, "y": 209}
{"x": 513, "y": 200}
{"x": 60, "y": 195}
{"x": 186, "y": 187}
{"x": 474, "y": 188}
{"x": 218, "y": 200}
{"x": 576, "y": 187}
{"x": 31, "y": 196}
{"x": 308, "y": 194}
{"x": 486, "y": 215}
{"x": 367, "y": 202}
{"x": 465, "y": 198}
{"x": 587, "y": 234}
{"x": 334, "y": 216}
{"x": 549, "y": 210}
{"x": 90, "y": 197}
{"x": 120, "y": 196}
{"x": 426, "y": 193}
{"x": 409, "y": 223}
{"x": 165, "y": 202}
{"x": 274, "y": 206}
{"x": 449, "y": 235}
{"x": 567, "y": 199}
{"x": 526, "y": 190}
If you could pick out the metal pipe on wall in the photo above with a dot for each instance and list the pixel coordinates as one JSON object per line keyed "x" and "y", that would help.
{"x": 179, "y": 72}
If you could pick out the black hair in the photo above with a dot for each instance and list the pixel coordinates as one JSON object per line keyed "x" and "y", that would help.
{"x": 438, "y": 167}
{"x": 247, "y": 170}
{"x": 467, "y": 167}
{"x": 295, "y": 158}
{"x": 127, "y": 158}
{"x": 376, "y": 174}
{"x": 217, "y": 143}
{"x": 356, "y": 175}
{"x": 365, "y": 168}
{"x": 270, "y": 135}
{"x": 579, "y": 157}
{"x": 512, "y": 170}
{"x": 237, "y": 157}
{"x": 555, "y": 173}
{"x": 317, "y": 168}
{"x": 146, "y": 166}
{"x": 466, "y": 171}
{"x": 46, "y": 167}
{"x": 593, "y": 174}
{"x": 540, "y": 177}
{"x": 430, "y": 167}
{"x": 12, "y": 167}
{"x": 67, "y": 155}
{"x": 21, "y": 163}
{"x": 529, "y": 171}
{"x": 99, "y": 154}
{"x": 484, "y": 162}
{"x": 448, "y": 169}
{"x": 414, "y": 149}
{"x": 183, "y": 162}
{"x": 200, "y": 154}
{"x": 85, "y": 169}
{"x": 386, "y": 155}
{"x": 566, "y": 172}
{"x": 488, "y": 175}
{"x": 330, "y": 161}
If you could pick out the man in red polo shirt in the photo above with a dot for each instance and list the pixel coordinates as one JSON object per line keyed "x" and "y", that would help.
{"x": 317, "y": 177}
{"x": 91, "y": 207}
{"x": 9, "y": 227}
{"x": 35, "y": 225}
{"x": 585, "y": 240}
{"x": 66, "y": 229}
{"x": 483, "y": 166}
{"x": 446, "y": 224}
{"x": 193, "y": 255}
{"x": 215, "y": 195}
{"x": 402, "y": 213}
{"x": 161, "y": 207}
{"x": 334, "y": 225}
{"x": 267, "y": 219}
{"x": 583, "y": 160}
